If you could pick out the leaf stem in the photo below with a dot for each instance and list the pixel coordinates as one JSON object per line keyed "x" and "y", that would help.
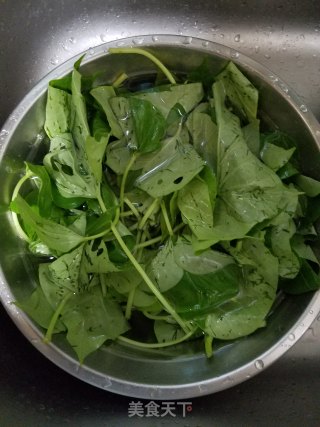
{"x": 208, "y": 345}
{"x": 130, "y": 303}
{"x": 124, "y": 179}
{"x": 157, "y": 316}
{"x": 140, "y": 250}
{"x": 14, "y": 216}
{"x": 166, "y": 218}
{"x": 126, "y": 214}
{"x": 19, "y": 184}
{"x": 54, "y": 318}
{"x": 132, "y": 207}
{"x": 103, "y": 284}
{"x": 148, "y": 242}
{"x": 100, "y": 200}
{"x": 119, "y": 80}
{"x": 158, "y": 344}
{"x": 149, "y": 283}
{"x": 148, "y": 55}
{"x": 154, "y": 205}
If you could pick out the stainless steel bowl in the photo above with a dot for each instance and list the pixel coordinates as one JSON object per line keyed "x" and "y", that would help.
{"x": 183, "y": 371}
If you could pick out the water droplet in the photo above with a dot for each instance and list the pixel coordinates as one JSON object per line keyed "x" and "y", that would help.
{"x": 283, "y": 87}
{"x": 214, "y": 27}
{"x": 84, "y": 18}
{"x": 273, "y": 78}
{"x": 221, "y": 35}
{"x": 302, "y": 37}
{"x": 237, "y": 38}
{"x": 72, "y": 40}
{"x": 291, "y": 337}
{"x": 41, "y": 407}
{"x": 91, "y": 50}
{"x": 267, "y": 56}
{"x": 65, "y": 47}
{"x": 202, "y": 388}
{"x": 228, "y": 381}
{"x": 187, "y": 40}
{"x": 54, "y": 60}
{"x": 234, "y": 54}
{"x": 205, "y": 44}
{"x": 103, "y": 38}
{"x": 9, "y": 169}
{"x": 155, "y": 38}
{"x": 106, "y": 383}
{"x": 303, "y": 108}
{"x": 259, "y": 364}
{"x": 138, "y": 40}
{"x": 134, "y": 21}
{"x": 311, "y": 311}
{"x": 4, "y": 133}
{"x": 257, "y": 48}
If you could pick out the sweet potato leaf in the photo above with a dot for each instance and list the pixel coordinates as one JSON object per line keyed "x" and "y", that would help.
{"x": 55, "y": 236}
{"x": 58, "y": 117}
{"x": 196, "y": 208}
{"x": 91, "y": 320}
{"x": 170, "y": 169}
{"x": 246, "y": 312}
{"x": 239, "y": 91}
{"x": 187, "y": 95}
{"x": 148, "y": 123}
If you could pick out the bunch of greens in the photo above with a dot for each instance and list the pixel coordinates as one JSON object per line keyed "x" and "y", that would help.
{"x": 163, "y": 206}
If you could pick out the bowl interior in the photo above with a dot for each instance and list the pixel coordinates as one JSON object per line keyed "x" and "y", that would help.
{"x": 182, "y": 371}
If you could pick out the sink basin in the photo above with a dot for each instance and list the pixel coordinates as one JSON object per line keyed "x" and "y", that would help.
{"x": 52, "y": 33}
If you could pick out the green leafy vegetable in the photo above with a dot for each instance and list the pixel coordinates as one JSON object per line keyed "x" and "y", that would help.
{"x": 165, "y": 207}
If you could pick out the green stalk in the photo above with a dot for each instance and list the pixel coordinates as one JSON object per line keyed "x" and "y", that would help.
{"x": 133, "y": 227}
{"x": 166, "y": 218}
{"x": 208, "y": 345}
{"x": 132, "y": 207}
{"x": 148, "y": 242}
{"x": 103, "y": 284}
{"x": 148, "y": 55}
{"x": 119, "y": 80}
{"x": 156, "y": 316}
{"x": 125, "y": 214}
{"x": 14, "y": 216}
{"x": 140, "y": 250}
{"x": 100, "y": 200}
{"x": 150, "y": 210}
{"x": 130, "y": 303}
{"x": 124, "y": 179}
{"x": 148, "y": 282}
{"x": 96, "y": 236}
{"x": 158, "y": 344}
{"x": 55, "y": 318}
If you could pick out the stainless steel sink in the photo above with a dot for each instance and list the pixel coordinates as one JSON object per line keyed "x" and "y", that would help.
{"x": 38, "y": 35}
